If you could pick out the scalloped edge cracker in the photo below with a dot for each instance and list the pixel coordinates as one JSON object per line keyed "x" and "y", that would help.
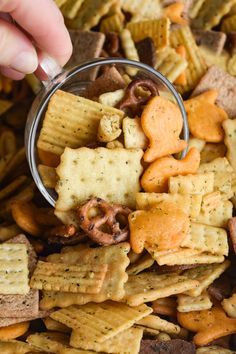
{"x": 194, "y": 303}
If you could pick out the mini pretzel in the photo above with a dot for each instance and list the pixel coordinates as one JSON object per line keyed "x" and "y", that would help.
{"x": 134, "y": 102}
{"x": 93, "y": 226}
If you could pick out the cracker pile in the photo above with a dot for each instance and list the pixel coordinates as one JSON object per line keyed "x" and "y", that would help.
{"x": 138, "y": 255}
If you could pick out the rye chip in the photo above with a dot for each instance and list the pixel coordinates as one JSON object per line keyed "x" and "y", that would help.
{"x": 146, "y": 51}
{"x": 213, "y": 40}
{"x": 177, "y": 346}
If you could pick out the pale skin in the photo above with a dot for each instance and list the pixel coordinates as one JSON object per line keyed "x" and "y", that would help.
{"x": 28, "y": 27}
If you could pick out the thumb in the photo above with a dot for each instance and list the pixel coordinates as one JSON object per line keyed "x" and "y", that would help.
{"x": 16, "y": 50}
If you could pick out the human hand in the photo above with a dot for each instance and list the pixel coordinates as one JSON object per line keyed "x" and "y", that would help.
{"x": 27, "y": 26}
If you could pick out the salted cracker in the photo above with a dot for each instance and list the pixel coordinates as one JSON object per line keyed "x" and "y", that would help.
{"x": 205, "y": 275}
{"x": 142, "y": 263}
{"x": 218, "y": 216}
{"x": 229, "y": 127}
{"x": 207, "y": 238}
{"x": 155, "y": 322}
{"x": 115, "y": 256}
{"x": 217, "y": 79}
{"x": 15, "y": 346}
{"x": 112, "y": 175}
{"x": 99, "y": 322}
{"x": 149, "y": 286}
{"x": 192, "y": 184}
{"x": 64, "y": 127}
{"x": 134, "y": 137}
{"x": 130, "y": 338}
{"x": 194, "y": 303}
{"x": 214, "y": 349}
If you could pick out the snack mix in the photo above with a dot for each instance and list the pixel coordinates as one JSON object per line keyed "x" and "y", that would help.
{"x": 138, "y": 254}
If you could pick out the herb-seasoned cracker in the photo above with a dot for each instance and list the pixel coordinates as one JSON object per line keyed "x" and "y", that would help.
{"x": 141, "y": 264}
{"x": 86, "y": 278}
{"x": 14, "y": 346}
{"x": 112, "y": 23}
{"x": 205, "y": 275}
{"x": 134, "y": 137}
{"x": 213, "y": 349}
{"x": 229, "y": 127}
{"x": 112, "y": 175}
{"x": 218, "y": 216}
{"x": 113, "y": 286}
{"x": 207, "y": 238}
{"x": 14, "y": 269}
{"x": 155, "y": 322}
{"x": 193, "y": 303}
{"x": 130, "y": 338}
{"x": 212, "y": 151}
{"x": 210, "y": 202}
{"x": 109, "y": 128}
{"x": 149, "y": 286}
{"x": 99, "y": 322}
{"x": 189, "y": 202}
{"x": 49, "y": 341}
{"x": 55, "y": 326}
{"x": 63, "y": 127}
{"x": 192, "y": 184}
{"x": 129, "y": 48}
{"x": 229, "y": 305}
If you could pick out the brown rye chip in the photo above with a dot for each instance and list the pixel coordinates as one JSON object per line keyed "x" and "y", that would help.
{"x": 216, "y": 78}
{"x": 146, "y": 51}
{"x": 7, "y": 321}
{"x": 213, "y": 40}
{"x": 174, "y": 346}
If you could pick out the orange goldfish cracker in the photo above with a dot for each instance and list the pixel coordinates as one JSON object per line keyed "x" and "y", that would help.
{"x": 14, "y": 331}
{"x": 165, "y": 226}
{"x": 174, "y": 12}
{"x": 205, "y": 117}
{"x": 209, "y": 324}
{"x": 162, "y": 123}
{"x": 155, "y": 177}
{"x": 182, "y": 79}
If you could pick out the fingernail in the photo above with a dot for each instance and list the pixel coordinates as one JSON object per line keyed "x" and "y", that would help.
{"x": 25, "y": 62}
{"x": 49, "y": 66}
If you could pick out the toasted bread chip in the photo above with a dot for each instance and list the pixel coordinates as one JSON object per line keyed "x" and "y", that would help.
{"x": 130, "y": 338}
{"x": 191, "y": 204}
{"x": 48, "y": 176}
{"x": 155, "y": 322}
{"x": 155, "y": 177}
{"x": 183, "y": 255}
{"x": 13, "y": 269}
{"x": 86, "y": 278}
{"x": 157, "y": 29}
{"x": 62, "y": 127}
{"x": 207, "y": 238}
{"x": 116, "y": 176}
{"x": 212, "y": 151}
{"x": 149, "y": 286}
{"x": 14, "y": 346}
{"x": 90, "y": 14}
{"x": 218, "y": 216}
{"x": 194, "y": 303}
{"x": 146, "y": 261}
{"x": 112, "y": 23}
{"x": 205, "y": 275}
{"x": 229, "y": 127}
{"x": 196, "y": 66}
{"x": 225, "y": 84}
{"x": 170, "y": 63}
{"x": 206, "y": 127}
{"x": 134, "y": 137}
{"x": 229, "y": 305}
{"x": 14, "y": 331}
{"x": 211, "y": 12}
{"x": 192, "y": 184}
{"x": 71, "y": 8}
{"x": 99, "y": 322}
{"x": 130, "y": 50}
{"x": 113, "y": 286}
{"x": 109, "y": 128}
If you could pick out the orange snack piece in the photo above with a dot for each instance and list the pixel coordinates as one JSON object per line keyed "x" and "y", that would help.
{"x": 155, "y": 177}
{"x": 205, "y": 117}
{"x": 14, "y": 331}
{"x": 162, "y": 123}
{"x": 48, "y": 158}
{"x": 181, "y": 79}
{"x": 165, "y": 226}
{"x": 209, "y": 324}
{"x": 174, "y": 13}
{"x": 166, "y": 306}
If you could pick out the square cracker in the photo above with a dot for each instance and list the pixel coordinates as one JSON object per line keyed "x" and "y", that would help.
{"x": 13, "y": 269}
{"x": 229, "y": 127}
{"x": 99, "y": 322}
{"x": 115, "y": 256}
{"x": 217, "y": 79}
{"x": 14, "y": 346}
{"x": 194, "y": 303}
{"x": 112, "y": 175}
{"x": 18, "y": 306}
{"x": 155, "y": 322}
{"x": 214, "y": 40}
{"x": 119, "y": 343}
{"x": 149, "y": 286}
{"x": 86, "y": 45}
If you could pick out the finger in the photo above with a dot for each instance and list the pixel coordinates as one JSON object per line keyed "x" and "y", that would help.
{"x": 44, "y": 22}
{"x": 12, "y": 74}
{"x": 16, "y": 50}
